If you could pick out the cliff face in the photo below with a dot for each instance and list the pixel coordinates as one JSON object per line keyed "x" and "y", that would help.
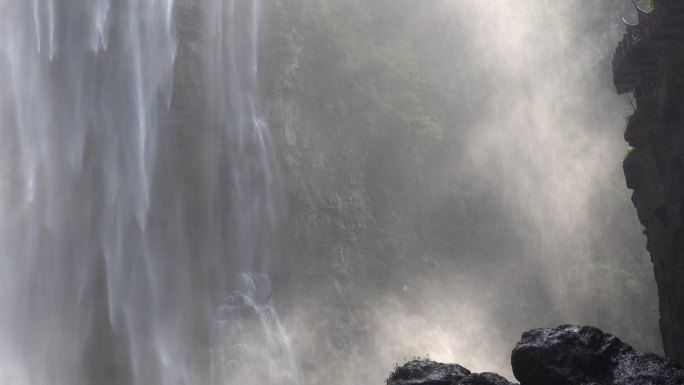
{"x": 367, "y": 220}
{"x": 326, "y": 237}
{"x": 650, "y": 63}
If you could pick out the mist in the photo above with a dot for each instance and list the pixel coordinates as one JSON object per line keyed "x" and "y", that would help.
{"x": 308, "y": 191}
{"x": 532, "y": 178}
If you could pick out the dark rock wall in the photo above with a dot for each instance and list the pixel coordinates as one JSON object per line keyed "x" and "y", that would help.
{"x": 654, "y": 169}
{"x": 329, "y": 229}
{"x": 344, "y": 230}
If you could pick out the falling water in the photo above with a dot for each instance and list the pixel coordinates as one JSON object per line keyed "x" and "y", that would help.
{"x": 115, "y": 257}
{"x": 249, "y": 345}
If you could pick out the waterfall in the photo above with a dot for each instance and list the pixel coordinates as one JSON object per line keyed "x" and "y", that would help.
{"x": 249, "y": 345}
{"x": 133, "y": 201}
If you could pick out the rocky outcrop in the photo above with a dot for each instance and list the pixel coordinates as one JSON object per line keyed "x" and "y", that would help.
{"x": 649, "y": 62}
{"x": 565, "y": 355}
{"x": 574, "y": 355}
{"x": 426, "y": 372}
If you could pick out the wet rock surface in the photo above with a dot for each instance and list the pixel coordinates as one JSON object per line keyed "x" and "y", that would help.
{"x": 565, "y": 355}
{"x": 586, "y": 355}
{"x": 426, "y": 372}
{"x": 654, "y": 164}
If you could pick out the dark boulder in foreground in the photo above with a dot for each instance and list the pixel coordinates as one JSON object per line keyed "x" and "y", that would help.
{"x": 574, "y": 355}
{"x": 426, "y": 372}
{"x": 566, "y": 355}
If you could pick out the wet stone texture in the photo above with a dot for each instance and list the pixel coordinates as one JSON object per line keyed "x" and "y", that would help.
{"x": 565, "y": 355}
{"x": 425, "y": 372}
{"x": 651, "y": 68}
{"x": 574, "y": 355}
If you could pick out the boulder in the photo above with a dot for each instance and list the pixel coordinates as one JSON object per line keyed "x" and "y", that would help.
{"x": 426, "y": 372}
{"x": 584, "y": 355}
{"x": 565, "y": 355}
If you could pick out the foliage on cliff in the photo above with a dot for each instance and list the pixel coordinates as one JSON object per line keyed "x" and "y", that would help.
{"x": 400, "y": 91}
{"x": 363, "y": 84}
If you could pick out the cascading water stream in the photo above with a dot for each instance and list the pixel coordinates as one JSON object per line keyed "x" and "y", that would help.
{"x": 249, "y": 345}
{"x": 102, "y": 276}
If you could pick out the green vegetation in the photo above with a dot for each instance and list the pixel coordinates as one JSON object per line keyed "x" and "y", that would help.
{"x": 407, "y": 371}
{"x": 646, "y": 5}
{"x": 630, "y": 149}
{"x": 403, "y": 105}
{"x": 362, "y": 83}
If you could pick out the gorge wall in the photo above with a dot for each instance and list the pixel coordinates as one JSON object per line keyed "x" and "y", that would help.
{"x": 650, "y": 63}
{"x": 391, "y": 222}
